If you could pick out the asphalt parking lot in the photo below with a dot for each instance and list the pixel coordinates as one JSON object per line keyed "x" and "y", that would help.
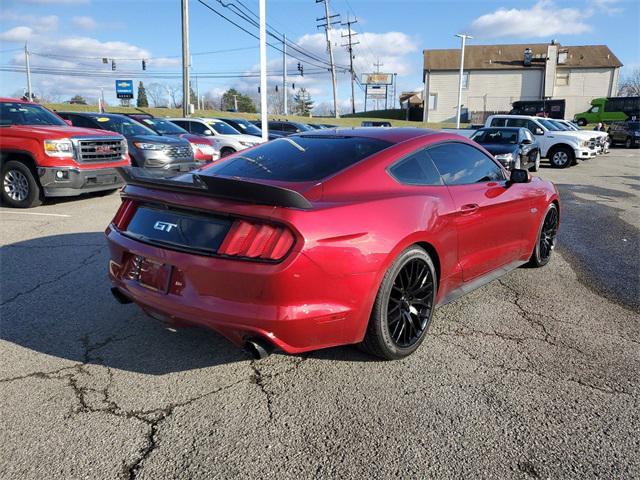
{"x": 531, "y": 376}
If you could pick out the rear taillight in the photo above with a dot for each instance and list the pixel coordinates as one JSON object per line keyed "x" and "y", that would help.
{"x": 124, "y": 214}
{"x": 256, "y": 240}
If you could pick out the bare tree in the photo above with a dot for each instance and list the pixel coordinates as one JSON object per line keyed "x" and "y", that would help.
{"x": 175, "y": 94}
{"x": 211, "y": 101}
{"x": 630, "y": 84}
{"x": 157, "y": 93}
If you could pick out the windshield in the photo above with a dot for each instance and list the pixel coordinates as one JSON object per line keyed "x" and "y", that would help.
{"x": 165, "y": 127}
{"x": 496, "y": 136}
{"x": 123, "y": 125}
{"x": 299, "y": 158}
{"x": 560, "y": 125}
{"x": 549, "y": 125}
{"x": 222, "y": 128}
{"x": 244, "y": 126}
{"x": 27, "y": 114}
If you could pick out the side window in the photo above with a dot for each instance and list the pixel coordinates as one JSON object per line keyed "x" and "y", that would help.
{"x": 275, "y": 126}
{"x": 516, "y": 122}
{"x": 287, "y": 127}
{"x": 197, "y": 128}
{"x": 594, "y": 109}
{"x": 83, "y": 122}
{"x": 532, "y": 126}
{"x": 461, "y": 164}
{"x": 499, "y": 122}
{"x": 182, "y": 123}
{"x": 416, "y": 169}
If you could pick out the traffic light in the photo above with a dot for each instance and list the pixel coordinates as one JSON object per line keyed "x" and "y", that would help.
{"x": 276, "y": 88}
{"x": 105, "y": 60}
{"x": 113, "y": 65}
{"x": 144, "y": 64}
{"x": 301, "y": 69}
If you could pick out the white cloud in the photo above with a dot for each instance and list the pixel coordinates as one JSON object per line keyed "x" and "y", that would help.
{"x": 17, "y": 34}
{"x": 543, "y": 19}
{"x": 84, "y": 23}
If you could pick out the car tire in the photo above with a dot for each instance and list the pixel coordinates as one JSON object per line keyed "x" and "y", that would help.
{"x": 545, "y": 241}
{"x": 20, "y": 189}
{"x": 225, "y": 152}
{"x": 562, "y": 157}
{"x": 581, "y": 122}
{"x": 628, "y": 143}
{"x": 536, "y": 164}
{"x": 405, "y": 299}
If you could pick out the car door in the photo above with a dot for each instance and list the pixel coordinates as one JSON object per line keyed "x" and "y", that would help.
{"x": 493, "y": 219}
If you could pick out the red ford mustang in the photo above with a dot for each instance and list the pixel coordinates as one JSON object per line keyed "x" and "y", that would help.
{"x": 327, "y": 238}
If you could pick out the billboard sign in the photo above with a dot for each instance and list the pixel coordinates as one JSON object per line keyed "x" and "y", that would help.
{"x": 376, "y": 92}
{"x": 378, "y": 78}
{"x": 124, "y": 89}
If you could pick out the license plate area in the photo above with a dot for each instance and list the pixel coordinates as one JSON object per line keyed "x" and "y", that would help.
{"x": 150, "y": 274}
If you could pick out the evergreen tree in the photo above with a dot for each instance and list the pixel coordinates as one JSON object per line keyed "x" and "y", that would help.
{"x": 245, "y": 102}
{"x": 302, "y": 102}
{"x": 142, "y": 96}
{"x": 78, "y": 99}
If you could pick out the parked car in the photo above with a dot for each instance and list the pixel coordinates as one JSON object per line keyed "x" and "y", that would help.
{"x": 286, "y": 128}
{"x": 230, "y": 140}
{"x": 539, "y": 108}
{"x": 315, "y": 126}
{"x": 602, "y": 138}
{"x": 368, "y": 123}
{"x": 42, "y": 156}
{"x": 147, "y": 149}
{"x": 627, "y": 133}
{"x": 267, "y": 264}
{"x": 611, "y": 109}
{"x": 328, "y": 125}
{"x": 515, "y": 148}
{"x": 205, "y": 149}
{"x": 248, "y": 128}
{"x": 562, "y": 149}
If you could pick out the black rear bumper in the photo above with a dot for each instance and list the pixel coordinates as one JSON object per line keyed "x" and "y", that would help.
{"x": 69, "y": 182}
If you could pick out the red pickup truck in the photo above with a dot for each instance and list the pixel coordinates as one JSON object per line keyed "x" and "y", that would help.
{"x": 41, "y": 156}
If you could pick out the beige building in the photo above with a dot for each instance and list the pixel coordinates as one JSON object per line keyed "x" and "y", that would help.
{"x": 495, "y": 76}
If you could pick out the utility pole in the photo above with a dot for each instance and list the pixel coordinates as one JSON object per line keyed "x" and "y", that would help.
{"x": 284, "y": 74}
{"x": 264, "y": 121}
{"x": 351, "y": 57}
{"x": 327, "y": 28}
{"x": 379, "y": 64}
{"x": 28, "y": 65}
{"x": 463, "y": 37}
{"x": 186, "y": 94}
{"x": 395, "y": 83}
{"x": 235, "y": 102}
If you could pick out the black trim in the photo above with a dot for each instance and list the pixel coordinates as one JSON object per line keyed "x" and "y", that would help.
{"x": 221, "y": 187}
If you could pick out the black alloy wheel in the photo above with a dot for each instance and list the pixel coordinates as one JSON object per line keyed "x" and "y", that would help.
{"x": 404, "y": 306}
{"x": 547, "y": 238}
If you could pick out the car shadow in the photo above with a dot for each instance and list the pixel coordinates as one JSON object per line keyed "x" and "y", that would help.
{"x": 55, "y": 299}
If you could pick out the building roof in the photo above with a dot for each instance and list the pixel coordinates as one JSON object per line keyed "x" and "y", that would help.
{"x": 501, "y": 57}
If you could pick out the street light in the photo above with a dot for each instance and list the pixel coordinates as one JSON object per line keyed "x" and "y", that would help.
{"x": 264, "y": 120}
{"x": 463, "y": 37}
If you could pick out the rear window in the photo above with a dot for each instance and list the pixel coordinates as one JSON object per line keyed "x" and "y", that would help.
{"x": 299, "y": 159}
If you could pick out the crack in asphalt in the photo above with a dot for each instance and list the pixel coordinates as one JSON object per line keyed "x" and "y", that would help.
{"x": 83, "y": 263}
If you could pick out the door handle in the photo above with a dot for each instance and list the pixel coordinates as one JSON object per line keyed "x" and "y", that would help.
{"x": 469, "y": 208}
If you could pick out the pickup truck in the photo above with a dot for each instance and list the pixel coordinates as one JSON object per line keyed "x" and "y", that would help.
{"x": 41, "y": 156}
{"x": 562, "y": 148}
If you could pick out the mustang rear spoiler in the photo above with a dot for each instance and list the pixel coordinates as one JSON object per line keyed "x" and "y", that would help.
{"x": 217, "y": 187}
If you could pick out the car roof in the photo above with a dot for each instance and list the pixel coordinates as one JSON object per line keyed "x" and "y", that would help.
{"x": 393, "y": 134}
{"x": 500, "y": 128}
{"x": 97, "y": 114}
{"x": 15, "y": 100}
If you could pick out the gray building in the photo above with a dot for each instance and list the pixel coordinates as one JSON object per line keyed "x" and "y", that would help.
{"x": 495, "y": 76}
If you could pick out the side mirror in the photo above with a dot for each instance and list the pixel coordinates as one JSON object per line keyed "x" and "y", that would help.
{"x": 208, "y": 132}
{"x": 539, "y": 131}
{"x": 526, "y": 141}
{"x": 519, "y": 175}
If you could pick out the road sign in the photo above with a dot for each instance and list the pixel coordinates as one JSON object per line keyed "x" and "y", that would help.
{"x": 376, "y": 92}
{"x": 124, "y": 89}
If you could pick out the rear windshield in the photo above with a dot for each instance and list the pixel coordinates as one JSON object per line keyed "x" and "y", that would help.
{"x": 504, "y": 136}
{"x": 299, "y": 159}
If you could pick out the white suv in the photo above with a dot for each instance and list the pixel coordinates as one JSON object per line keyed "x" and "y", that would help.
{"x": 562, "y": 148}
{"x": 228, "y": 139}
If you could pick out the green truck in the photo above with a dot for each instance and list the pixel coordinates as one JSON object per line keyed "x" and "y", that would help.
{"x": 610, "y": 109}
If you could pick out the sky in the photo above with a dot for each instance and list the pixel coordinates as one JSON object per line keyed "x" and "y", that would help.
{"x": 74, "y": 35}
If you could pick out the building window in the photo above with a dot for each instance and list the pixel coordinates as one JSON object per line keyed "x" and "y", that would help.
{"x": 562, "y": 79}
{"x": 433, "y": 101}
{"x": 465, "y": 80}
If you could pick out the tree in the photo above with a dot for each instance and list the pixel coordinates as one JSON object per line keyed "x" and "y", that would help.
{"x": 302, "y": 102}
{"x": 211, "y": 101}
{"x": 157, "y": 93}
{"x": 78, "y": 99}
{"x": 142, "y": 97}
{"x": 245, "y": 102}
{"x": 174, "y": 92}
{"x": 630, "y": 84}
